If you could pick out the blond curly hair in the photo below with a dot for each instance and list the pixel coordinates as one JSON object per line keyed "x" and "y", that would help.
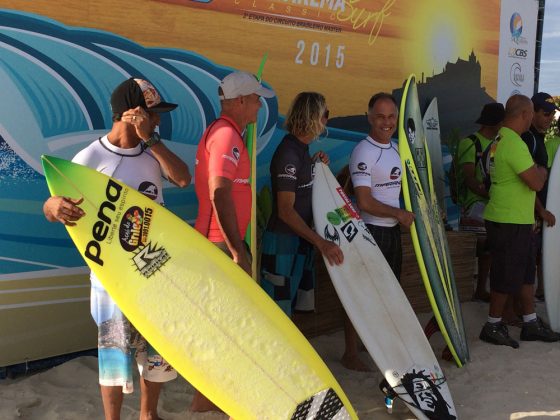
{"x": 305, "y": 114}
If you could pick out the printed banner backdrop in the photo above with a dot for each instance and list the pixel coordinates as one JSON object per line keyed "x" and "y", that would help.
{"x": 59, "y": 62}
{"x": 518, "y": 34}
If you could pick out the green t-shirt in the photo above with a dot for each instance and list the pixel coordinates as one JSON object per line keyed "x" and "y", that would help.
{"x": 511, "y": 200}
{"x": 467, "y": 154}
{"x": 551, "y": 148}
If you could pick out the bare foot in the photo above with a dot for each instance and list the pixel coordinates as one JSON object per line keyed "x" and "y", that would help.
{"x": 354, "y": 363}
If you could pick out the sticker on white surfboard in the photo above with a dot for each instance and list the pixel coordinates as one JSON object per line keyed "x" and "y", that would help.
{"x": 425, "y": 388}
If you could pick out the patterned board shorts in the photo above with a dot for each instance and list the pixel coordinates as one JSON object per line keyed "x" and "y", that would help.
{"x": 119, "y": 344}
{"x": 287, "y": 271}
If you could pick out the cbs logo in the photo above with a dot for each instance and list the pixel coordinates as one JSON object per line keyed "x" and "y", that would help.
{"x": 517, "y": 52}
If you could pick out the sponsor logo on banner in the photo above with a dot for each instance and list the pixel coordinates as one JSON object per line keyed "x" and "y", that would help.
{"x": 328, "y": 16}
{"x": 516, "y": 28}
{"x": 150, "y": 259}
{"x": 516, "y": 75}
{"x": 518, "y": 53}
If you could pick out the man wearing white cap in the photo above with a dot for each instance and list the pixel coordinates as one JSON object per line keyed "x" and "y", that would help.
{"x": 133, "y": 153}
{"x": 222, "y": 174}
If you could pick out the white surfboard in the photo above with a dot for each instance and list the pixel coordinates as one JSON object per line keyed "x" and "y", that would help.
{"x": 551, "y": 247}
{"x": 433, "y": 138}
{"x": 377, "y": 306}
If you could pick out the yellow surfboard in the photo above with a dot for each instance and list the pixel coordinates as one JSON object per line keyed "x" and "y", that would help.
{"x": 202, "y": 312}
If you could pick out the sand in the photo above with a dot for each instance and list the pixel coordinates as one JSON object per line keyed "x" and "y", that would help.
{"x": 498, "y": 383}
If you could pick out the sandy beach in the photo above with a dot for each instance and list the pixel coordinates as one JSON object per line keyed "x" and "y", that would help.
{"x": 499, "y": 383}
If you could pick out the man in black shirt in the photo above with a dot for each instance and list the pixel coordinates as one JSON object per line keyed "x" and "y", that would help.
{"x": 287, "y": 259}
{"x": 545, "y": 108}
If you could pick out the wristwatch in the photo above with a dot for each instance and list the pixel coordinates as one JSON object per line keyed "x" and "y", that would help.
{"x": 154, "y": 139}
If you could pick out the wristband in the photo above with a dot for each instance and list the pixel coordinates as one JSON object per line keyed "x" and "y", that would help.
{"x": 153, "y": 140}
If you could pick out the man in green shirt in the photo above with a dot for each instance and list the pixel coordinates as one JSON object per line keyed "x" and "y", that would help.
{"x": 476, "y": 192}
{"x": 509, "y": 217}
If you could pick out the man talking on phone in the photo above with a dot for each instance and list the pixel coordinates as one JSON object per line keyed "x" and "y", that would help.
{"x": 132, "y": 152}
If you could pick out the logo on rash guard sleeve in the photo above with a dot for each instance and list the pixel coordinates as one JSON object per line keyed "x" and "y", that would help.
{"x": 395, "y": 173}
{"x": 289, "y": 172}
{"x": 149, "y": 189}
{"x": 235, "y": 155}
{"x": 290, "y": 169}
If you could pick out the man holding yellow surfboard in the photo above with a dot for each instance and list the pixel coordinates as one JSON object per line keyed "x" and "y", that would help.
{"x": 133, "y": 153}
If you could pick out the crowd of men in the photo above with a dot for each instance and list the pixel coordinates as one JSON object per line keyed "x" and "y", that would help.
{"x": 503, "y": 213}
{"x": 508, "y": 212}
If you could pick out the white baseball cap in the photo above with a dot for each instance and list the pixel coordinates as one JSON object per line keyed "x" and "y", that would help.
{"x": 240, "y": 83}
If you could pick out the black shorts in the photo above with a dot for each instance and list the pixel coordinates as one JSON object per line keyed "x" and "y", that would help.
{"x": 388, "y": 240}
{"x": 514, "y": 256}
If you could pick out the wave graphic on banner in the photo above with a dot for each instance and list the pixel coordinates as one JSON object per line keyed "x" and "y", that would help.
{"x": 59, "y": 80}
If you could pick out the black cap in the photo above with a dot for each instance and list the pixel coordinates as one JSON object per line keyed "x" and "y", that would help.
{"x": 544, "y": 101}
{"x": 491, "y": 114}
{"x": 138, "y": 92}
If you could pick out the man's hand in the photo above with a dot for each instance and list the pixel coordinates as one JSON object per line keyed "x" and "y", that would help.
{"x": 244, "y": 263}
{"x": 548, "y": 217}
{"x": 320, "y": 155}
{"x": 331, "y": 252}
{"x": 405, "y": 218}
{"x": 140, "y": 119}
{"x": 64, "y": 210}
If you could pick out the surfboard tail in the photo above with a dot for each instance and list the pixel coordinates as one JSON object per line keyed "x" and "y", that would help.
{"x": 323, "y": 405}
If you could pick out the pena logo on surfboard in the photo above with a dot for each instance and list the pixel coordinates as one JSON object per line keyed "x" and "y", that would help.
{"x": 104, "y": 227}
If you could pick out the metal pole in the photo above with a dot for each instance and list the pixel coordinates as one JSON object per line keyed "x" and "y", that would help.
{"x": 540, "y": 24}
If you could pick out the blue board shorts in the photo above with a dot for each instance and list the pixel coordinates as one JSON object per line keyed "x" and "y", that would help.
{"x": 288, "y": 271}
{"x": 120, "y": 344}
